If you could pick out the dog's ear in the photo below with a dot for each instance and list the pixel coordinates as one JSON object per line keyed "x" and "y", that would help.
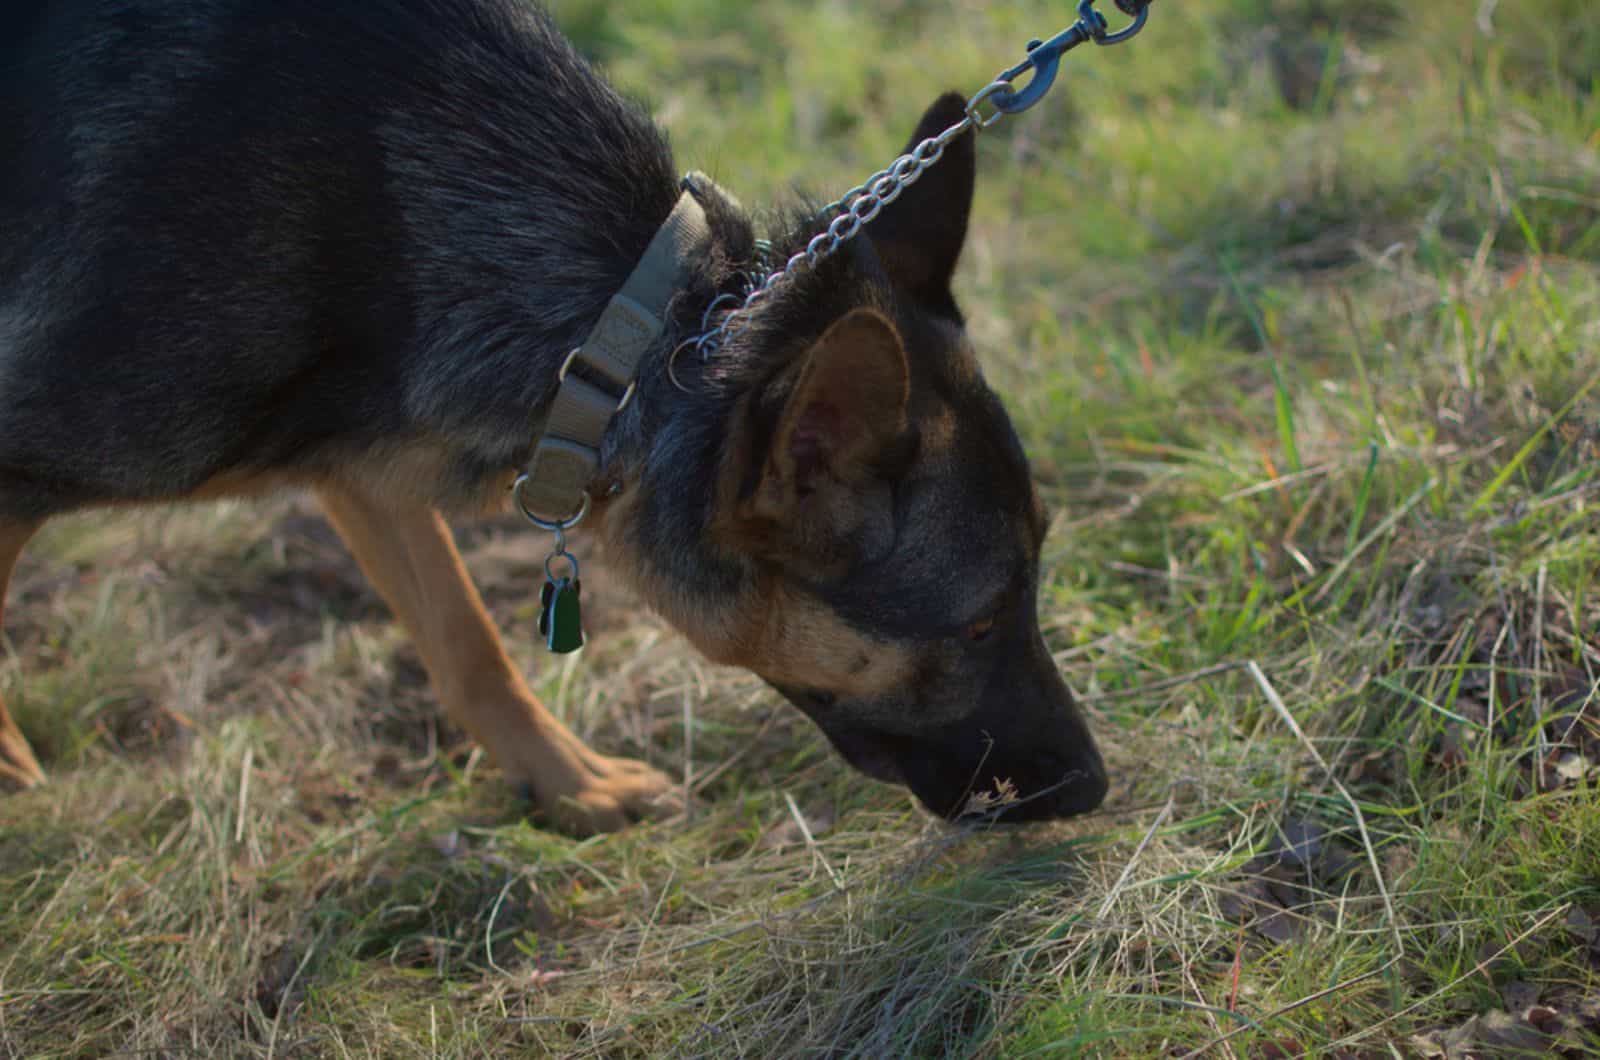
{"x": 843, "y": 418}
{"x": 919, "y": 236}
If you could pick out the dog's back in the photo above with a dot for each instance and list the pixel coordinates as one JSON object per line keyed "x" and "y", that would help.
{"x": 161, "y": 215}
{"x": 223, "y": 224}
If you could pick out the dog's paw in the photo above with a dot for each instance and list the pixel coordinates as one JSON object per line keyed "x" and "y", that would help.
{"x": 604, "y": 795}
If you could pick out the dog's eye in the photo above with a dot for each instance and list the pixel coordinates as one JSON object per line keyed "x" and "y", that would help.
{"x": 821, "y": 699}
{"x": 981, "y": 629}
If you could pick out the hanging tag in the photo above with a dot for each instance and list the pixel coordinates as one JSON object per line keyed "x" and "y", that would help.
{"x": 560, "y": 617}
{"x": 560, "y": 620}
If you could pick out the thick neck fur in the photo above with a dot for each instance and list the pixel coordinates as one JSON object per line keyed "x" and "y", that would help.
{"x": 527, "y": 190}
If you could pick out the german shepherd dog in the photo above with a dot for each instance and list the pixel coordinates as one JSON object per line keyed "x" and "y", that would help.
{"x": 346, "y": 245}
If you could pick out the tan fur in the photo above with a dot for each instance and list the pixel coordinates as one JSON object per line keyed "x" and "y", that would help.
{"x": 780, "y": 633}
{"x": 805, "y": 645}
{"x": 18, "y": 767}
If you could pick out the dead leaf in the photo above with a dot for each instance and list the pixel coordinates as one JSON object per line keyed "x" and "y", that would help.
{"x": 1301, "y": 843}
{"x": 1474, "y": 709}
{"x": 981, "y": 803}
{"x": 1495, "y": 1033}
{"x": 1252, "y": 906}
{"x": 1278, "y": 926}
{"x": 1572, "y": 767}
{"x": 1545, "y": 1018}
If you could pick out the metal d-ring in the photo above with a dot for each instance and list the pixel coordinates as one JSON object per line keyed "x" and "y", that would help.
{"x": 559, "y": 527}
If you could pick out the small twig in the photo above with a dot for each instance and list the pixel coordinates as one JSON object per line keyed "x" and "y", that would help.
{"x": 244, "y": 794}
{"x": 1210, "y": 1014}
{"x": 1540, "y": 744}
{"x": 1237, "y": 973}
{"x": 811, "y": 842}
{"x": 474, "y": 757}
{"x": 1361, "y": 821}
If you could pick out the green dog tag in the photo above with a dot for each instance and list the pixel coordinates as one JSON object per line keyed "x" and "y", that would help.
{"x": 560, "y": 620}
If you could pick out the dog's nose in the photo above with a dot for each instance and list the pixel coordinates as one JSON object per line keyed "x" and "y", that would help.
{"x": 1083, "y": 790}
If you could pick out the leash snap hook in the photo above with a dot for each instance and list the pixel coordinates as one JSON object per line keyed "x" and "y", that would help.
{"x": 1044, "y": 59}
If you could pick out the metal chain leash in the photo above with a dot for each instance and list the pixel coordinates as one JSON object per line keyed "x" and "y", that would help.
{"x": 858, "y": 206}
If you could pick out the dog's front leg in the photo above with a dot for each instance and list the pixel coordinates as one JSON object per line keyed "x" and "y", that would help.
{"x": 408, "y": 552}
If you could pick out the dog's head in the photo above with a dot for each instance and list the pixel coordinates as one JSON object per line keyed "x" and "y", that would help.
{"x": 876, "y": 496}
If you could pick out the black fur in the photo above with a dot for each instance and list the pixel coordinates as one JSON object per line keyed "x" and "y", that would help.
{"x": 285, "y": 230}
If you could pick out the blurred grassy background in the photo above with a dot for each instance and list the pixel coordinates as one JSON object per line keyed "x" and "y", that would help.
{"x": 1297, "y": 306}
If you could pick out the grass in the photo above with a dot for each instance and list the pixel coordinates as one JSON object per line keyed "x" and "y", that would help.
{"x": 1297, "y": 306}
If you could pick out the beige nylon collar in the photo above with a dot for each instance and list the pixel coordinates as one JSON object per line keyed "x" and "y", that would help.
{"x": 553, "y": 492}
